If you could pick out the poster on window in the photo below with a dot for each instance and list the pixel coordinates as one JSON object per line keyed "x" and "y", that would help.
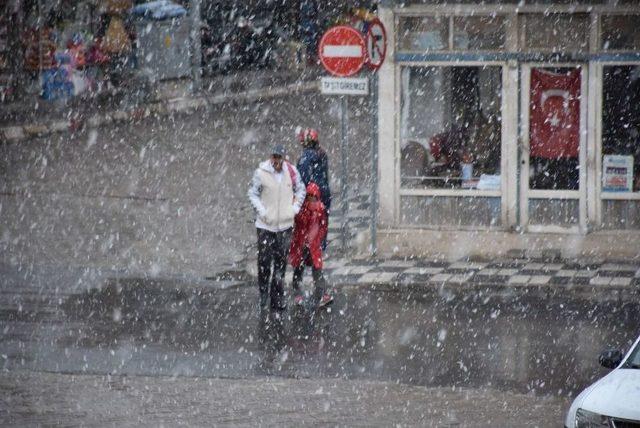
{"x": 617, "y": 173}
{"x": 554, "y": 114}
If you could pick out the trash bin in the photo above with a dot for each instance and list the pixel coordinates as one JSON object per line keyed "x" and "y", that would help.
{"x": 162, "y": 30}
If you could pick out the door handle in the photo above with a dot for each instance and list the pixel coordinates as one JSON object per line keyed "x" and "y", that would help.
{"x": 524, "y": 151}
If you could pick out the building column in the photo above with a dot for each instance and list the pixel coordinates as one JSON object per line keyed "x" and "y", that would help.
{"x": 387, "y": 182}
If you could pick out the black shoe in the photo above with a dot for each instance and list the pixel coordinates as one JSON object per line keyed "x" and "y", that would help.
{"x": 326, "y": 300}
{"x": 264, "y": 301}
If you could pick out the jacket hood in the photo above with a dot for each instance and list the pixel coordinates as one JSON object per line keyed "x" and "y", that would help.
{"x": 313, "y": 190}
{"x": 266, "y": 165}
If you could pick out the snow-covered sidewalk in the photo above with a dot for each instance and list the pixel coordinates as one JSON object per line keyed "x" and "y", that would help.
{"x": 25, "y": 122}
{"x": 579, "y": 274}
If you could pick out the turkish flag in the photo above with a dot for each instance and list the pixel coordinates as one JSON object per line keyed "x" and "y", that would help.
{"x": 554, "y": 114}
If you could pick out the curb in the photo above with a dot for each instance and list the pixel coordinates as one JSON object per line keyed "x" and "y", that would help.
{"x": 571, "y": 290}
{"x": 418, "y": 290}
{"x": 15, "y": 134}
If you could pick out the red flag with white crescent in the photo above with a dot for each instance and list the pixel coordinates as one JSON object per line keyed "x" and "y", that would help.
{"x": 554, "y": 114}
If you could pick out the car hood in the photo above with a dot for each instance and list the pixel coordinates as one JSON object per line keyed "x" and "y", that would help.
{"x": 616, "y": 394}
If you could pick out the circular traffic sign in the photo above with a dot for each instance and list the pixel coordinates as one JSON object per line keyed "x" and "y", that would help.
{"x": 376, "y": 44}
{"x": 342, "y": 51}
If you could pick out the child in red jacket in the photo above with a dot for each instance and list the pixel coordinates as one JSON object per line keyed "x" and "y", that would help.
{"x": 309, "y": 230}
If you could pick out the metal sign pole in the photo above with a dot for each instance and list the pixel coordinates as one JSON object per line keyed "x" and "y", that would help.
{"x": 40, "y": 51}
{"x": 343, "y": 153}
{"x": 342, "y": 53}
{"x": 196, "y": 49}
{"x": 374, "y": 163}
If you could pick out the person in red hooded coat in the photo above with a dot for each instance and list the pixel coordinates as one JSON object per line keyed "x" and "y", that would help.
{"x": 309, "y": 230}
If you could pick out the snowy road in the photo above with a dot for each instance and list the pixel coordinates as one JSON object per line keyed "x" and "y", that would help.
{"x": 68, "y": 400}
{"x": 185, "y": 351}
{"x": 163, "y": 195}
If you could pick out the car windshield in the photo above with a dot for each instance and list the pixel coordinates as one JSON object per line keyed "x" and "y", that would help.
{"x": 633, "y": 362}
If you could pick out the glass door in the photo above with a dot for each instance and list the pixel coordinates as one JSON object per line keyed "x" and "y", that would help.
{"x": 553, "y": 148}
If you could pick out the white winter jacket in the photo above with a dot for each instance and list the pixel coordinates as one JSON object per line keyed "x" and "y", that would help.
{"x": 275, "y": 196}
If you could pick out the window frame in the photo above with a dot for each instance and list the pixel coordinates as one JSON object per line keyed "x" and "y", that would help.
{"x": 601, "y": 195}
{"x": 600, "y": 41}
{"x": 450, "y": 16}
{"x": 522, "y": 33}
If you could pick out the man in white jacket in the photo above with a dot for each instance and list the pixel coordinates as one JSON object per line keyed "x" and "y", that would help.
{"x": 276, "y": 193}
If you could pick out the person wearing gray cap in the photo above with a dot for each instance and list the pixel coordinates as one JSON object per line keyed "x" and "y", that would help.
{"x": 276, "y": 194}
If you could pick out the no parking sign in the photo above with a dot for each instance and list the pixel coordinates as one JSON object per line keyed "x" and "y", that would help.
{"x": 376, "y": 44}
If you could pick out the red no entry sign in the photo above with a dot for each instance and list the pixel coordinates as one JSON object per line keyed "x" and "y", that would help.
{"x": 342, "y": 51}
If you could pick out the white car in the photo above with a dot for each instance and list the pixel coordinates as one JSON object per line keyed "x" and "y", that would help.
{"x": 614, "y": 400}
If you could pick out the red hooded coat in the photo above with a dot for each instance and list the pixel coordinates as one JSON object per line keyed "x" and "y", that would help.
{"x": 309, "y": 230}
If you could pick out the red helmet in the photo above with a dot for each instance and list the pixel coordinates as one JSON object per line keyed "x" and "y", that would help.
{"x": 308, "y": 135}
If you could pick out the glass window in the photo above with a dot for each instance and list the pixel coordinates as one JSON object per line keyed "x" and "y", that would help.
{"x": 620, "y": 214}
{"x": 451, "y": 211}
{"x": 451, "y": 127}
{"x": 478, "y": 32}
{"x": 556, "y": 32}
{"x": 423, "y": 33}
{"x": 557, "y": 212}
{"x": 620, "y": 32}
{"x": 621, "y": 128}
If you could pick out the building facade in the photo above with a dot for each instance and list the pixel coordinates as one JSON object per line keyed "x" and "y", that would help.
{"x": 510, "y": 126}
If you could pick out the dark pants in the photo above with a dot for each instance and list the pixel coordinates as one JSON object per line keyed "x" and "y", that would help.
{"x": 273, "y": 249}
{"x": 318, "y": 278}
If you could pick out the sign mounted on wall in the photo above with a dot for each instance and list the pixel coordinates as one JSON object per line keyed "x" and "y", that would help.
{"x": 376, "y": 41}
{"x": 342, "y": 51}
{"x": 617, "y": 173}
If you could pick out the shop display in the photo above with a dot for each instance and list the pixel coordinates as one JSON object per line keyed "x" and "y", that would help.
{"x": 450, "y": 125}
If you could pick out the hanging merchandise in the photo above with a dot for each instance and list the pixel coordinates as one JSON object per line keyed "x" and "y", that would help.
{"x": 40, "y": 50}
{"x": 80, "y": 82}
{"x": 555, "y": 114}
{"x": 72, "y": 61}
{"x": 116, "y": 39}
{"x": 95, "y": 55}
{"x": 76, "y": 51}
{"x": 56, "y": 84}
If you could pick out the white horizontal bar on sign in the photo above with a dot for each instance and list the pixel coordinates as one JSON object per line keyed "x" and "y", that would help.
{"x": 342, "y": 51}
